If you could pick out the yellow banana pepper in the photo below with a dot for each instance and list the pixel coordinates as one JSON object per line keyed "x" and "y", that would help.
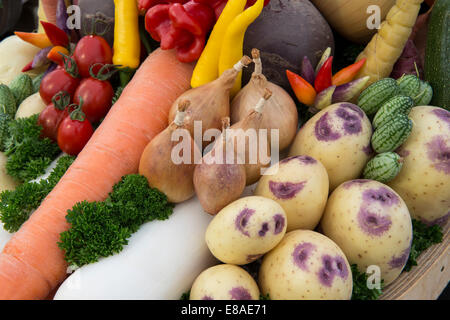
{"x": 233, "y": 42}
{"x": 127, "y": 44}
{"x": 206, "y": 69}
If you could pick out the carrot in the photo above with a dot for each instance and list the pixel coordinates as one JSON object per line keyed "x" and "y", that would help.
{"x": 31, "y": 264}
{"x": 49, "y": 7}
{"x": 387, "y": 44}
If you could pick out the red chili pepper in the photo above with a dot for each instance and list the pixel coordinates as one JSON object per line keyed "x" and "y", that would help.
{"x": 304, "y": 92}
{"x": 324, "y": 76}
{"x": 28, "y": 67}
{"x": 57, "y": 36}
{"x": 347, "y": 74}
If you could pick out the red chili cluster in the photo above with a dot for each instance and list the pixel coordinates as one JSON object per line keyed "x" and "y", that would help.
{"x": 182, "y": 24}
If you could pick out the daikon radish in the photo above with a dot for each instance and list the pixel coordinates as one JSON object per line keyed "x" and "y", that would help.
{"x": 161, "y": 261}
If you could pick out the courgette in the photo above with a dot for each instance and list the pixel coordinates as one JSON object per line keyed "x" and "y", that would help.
{"x": 437, "y": 65}
{"x": 21, "y": 87}
{"x": 383, "y": 167}
{"x": 374, "y": 96}
{"x": 7, "y": 101}
{"x": 399, "y": 104}
{"x": 392, "y": 134}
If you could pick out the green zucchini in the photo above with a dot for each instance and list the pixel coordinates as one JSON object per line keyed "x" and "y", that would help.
{"x": 37, "y": 82}
{"x": 383, "y": 167}
{"x": 21, "y": 87}
{"x": 374, "y": 96}
{"x": 7, "y": 101}
{"x": 437, "y": 65}
{"x": 409, "y": 85}
{"x": 394, "y": 106}
{"x": 391, "y": 134}
{"x": 425, "y": 94}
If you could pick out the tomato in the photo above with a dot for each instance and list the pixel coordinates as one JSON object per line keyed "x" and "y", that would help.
{"x": 97, "y": 98}
{"x": 56, "y": 81}
{"x": 73, "y": 135}
{"x": 89, "y": 51}
{"x": 49, "y": 119}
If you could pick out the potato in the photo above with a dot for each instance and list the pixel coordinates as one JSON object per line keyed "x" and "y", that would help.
{"x": 246, "y": 229}
{"x": 15, "y": 54}
{"x": 224, "y": 282}
{"x": 339, "y": 137}
{"x": 306, "y": 265}
{"x": 6, "y": 181}
{"x": 371, "y": 224}
{"x": 30, "y": 106}
{"x": 424, "y": 181}
{"x": 300, "y": 185}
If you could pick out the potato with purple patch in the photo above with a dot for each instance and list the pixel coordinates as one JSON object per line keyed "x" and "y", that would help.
{"x": 300, "y": 185}
{"x": 371, "y": 224}
{"x": 224, "y": 282}
{"x": 306, "y": 265}
{"x": 424, "y": 181}
{"x": 246, "y": 229}
{"x": 339, "y": 137}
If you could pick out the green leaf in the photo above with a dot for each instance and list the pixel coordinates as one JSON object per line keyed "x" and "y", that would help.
{"x": 360, "y": 289}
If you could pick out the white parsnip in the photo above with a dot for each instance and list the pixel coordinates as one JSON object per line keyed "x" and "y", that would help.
{"x": 387, "y": 45}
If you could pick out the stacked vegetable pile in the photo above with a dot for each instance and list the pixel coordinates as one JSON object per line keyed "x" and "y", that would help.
{"x": 282, "y": 214}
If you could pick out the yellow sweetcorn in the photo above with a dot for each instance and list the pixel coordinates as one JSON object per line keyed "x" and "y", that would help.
{"x": 233, "y": 42}
{"x": 206, "y": 69}
{"x": 127, "y": 44}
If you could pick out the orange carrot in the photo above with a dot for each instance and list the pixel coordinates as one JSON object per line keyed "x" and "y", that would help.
{"x": 49, "y": 7}
{"x": 31, "y": 264}
{"x": 39, "y": 40}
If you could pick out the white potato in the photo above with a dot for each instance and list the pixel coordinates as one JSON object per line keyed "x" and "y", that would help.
{"x": 246, "y": 229}
{"x": 300, "y": 185}
{"x": 6, "y": 181}
{"x": 424, "y": 181}
{"x": 306, "y": 265}
{"x": 339, "y": 137}
{"x": 371, "y": 224}
{"x": 224, "y": 282}
{"x": 15, "y": 54}
{"x": 30, "y": 106}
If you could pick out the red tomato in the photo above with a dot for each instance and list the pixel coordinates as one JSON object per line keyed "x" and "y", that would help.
{"x": 73, "y": 135}
{"x": 89, "y": 51}
{"x": 49, "y": 119}
{"x": 97, "y": 98}
{"x": 56, "y": 81}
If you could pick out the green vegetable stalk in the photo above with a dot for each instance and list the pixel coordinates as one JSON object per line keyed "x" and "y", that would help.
{"x": 101, "y": 229}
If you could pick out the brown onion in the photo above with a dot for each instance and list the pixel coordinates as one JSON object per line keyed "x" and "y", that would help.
{"x": 219, "y": 182}
{"x": 158, "y": 166}
{"x": 254, "y": 120}
{"x": 210, "y": 102}
{"x": 281, "y": 111}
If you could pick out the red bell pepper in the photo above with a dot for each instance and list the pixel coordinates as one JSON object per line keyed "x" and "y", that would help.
{"x": 324, "y": 76}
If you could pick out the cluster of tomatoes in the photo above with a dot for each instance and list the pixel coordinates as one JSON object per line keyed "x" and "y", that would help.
{"x": 77, "y": 95}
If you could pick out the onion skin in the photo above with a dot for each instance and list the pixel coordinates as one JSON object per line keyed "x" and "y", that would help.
{"x": 217, "y": 185}
{"x": 174, "y": 180}
{"x": 280, "y": 111}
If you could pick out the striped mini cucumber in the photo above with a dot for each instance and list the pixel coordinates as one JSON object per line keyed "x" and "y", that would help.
{"x": 383, "y": 167}
{"x": 425, "y": 94}
{"x": 373, "y": 97}
{"x": 409, "y": 85}
{"x": 394, "y": 106}
{"x": 21, "y": 87}
{"x": 391, "y": 134}
{"x": 7, "y": 101}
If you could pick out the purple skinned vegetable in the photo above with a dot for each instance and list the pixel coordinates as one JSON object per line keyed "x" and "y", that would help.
{"x": 41, "y": 58}
{"x": 307, "y": 71}
{"x": 348, "y": 91}
{"x": 324, "y": 98}
{"x": 61, "y": 16}
{"x": 50, "y": 68}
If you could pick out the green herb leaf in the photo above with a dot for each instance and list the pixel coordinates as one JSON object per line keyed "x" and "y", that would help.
{"x": 360, "y": 289}
{"x": 423, "y": 237}
{"x": 186, "y": 296}
{"x": 101, "y": 229}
